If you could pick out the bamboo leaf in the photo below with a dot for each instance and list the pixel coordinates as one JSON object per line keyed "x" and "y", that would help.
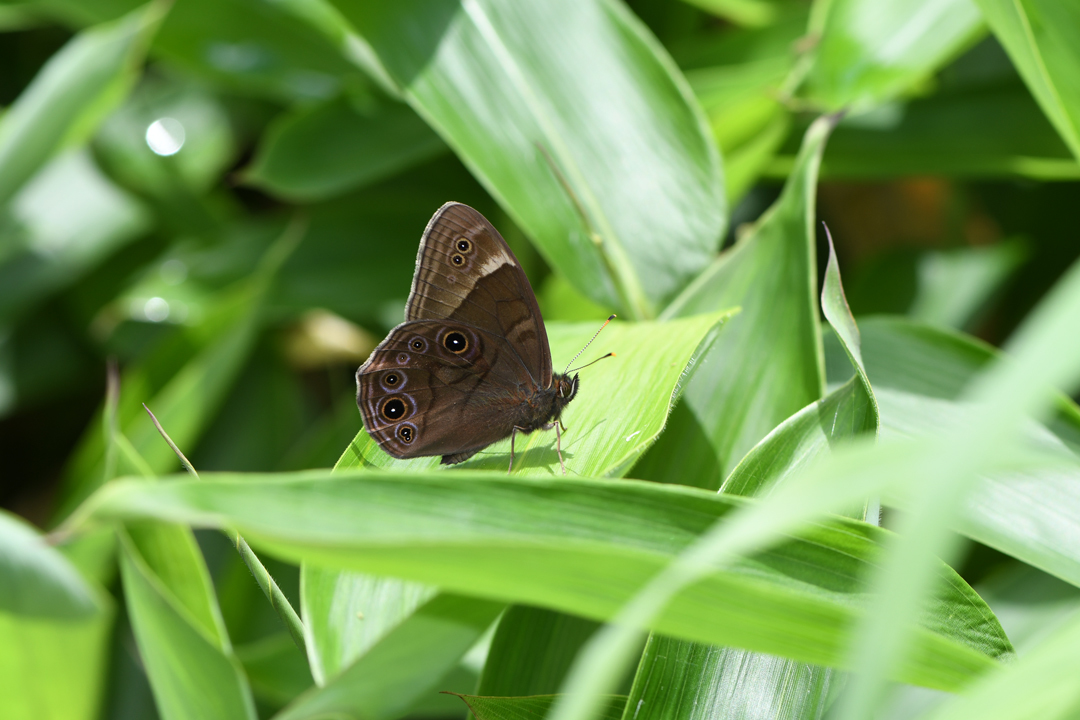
{"x": 767, "y": 364}
{"x": 872, "y": 51}
{"x": 582, "y": 546}
{"x": 523, "y": 93}
{"x": 72, "y": 94}
{"x": 620, "y": 410}
{"x": 1043, "y": 39}
{"x": 533, "y": 707}
{"x": 405, "y": 663}
{"x": 190, "y": 666}
{"x": 322, "y": 151}
{"x": 35, "y": 579}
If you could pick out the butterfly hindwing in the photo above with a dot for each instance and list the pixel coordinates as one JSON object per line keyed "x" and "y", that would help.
{"x": 429, "y": 379}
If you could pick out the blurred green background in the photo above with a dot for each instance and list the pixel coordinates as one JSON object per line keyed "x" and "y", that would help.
{"x": 215, "y": 197}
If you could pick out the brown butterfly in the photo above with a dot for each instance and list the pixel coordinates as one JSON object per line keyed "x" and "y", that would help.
{"x": 471, "y": 363}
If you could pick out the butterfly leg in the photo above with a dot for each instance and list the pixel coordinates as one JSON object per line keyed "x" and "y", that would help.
{"x": 558, "y": 446}
{"x": 513, "y": 434}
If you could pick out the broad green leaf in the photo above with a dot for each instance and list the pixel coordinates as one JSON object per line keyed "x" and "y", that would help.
{"x": 185, "y": 403}
{"x": 956, "y": 285}
{"x": 943, "y": 466}
{"x": 579, "y": 545}
{"x": 72, "y": 94}
{"x": 849, "y": 410}
{"x": 208, "y": 150}
{"x": 699, "y": 680}
{"x": 1030, "y": 604}
{"x": 915, "y": 358}
{"x": 35, "y": 579}
{"x": 532, "y": 707}
{"x": 172, "y": 555}
{"x": 406, "y": 662}
{"x": 528, "y": 96}
{"x": 1044, "y": 351}
{"x": 980, "y": 131}
{"x": 192, "y": 671}
{"x": 322, "y": 151}
{"x": 679, "y": 679}
{"x": 275, "y": 667}
{"x": 68, "y": 218}
{"x": 767, "y": 364}
{"x": 531, "y": 651}
{"x": 1028, "y": 511}
{"x": 747, "y": 120}
{"x": 873, "y": 50}
{"x": 55, "y": 669}
{"x": 248, "y": 48}
{"x": 347, "y": 614}
{"x": 1038, "y": 685}
{"x": 331, "y": 597}
{"x": 620, "y": 409}
{"x": 1043, "y": 39}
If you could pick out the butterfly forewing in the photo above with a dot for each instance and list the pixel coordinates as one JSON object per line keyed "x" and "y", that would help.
{"x": 466, "y": 272}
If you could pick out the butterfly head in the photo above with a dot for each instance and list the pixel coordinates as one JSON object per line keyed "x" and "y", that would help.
{"x": 566, "y": 387}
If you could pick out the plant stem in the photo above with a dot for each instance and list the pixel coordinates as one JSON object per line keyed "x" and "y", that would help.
{"x": 262, "y": 576}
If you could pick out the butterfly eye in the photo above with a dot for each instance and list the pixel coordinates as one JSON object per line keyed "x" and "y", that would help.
{"x": 455, "y": 342}
{"x": 393, "y": 409}
{"x": 458, "y": 260}
{"x": 464, "y": 245}
{"x": 406, "y": 433}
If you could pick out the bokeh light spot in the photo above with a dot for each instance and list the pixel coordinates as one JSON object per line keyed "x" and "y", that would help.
{"x": 165, "y": 136}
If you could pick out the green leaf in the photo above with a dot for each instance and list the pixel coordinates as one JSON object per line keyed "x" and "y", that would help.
{"x": 621, "y": 407}
{"x": 533, "y": 707}
{"x": 679, "y": 679}
{"x": 191, "y": 667}
{"x": 747, "y": 120}
{"x": 634, "y": 419}
{"x": 35, "y": 579}
{"x": 1028, "y": 511}
{"x": 185, "y": 403}
{"x": 55, "y": 669}
{"x": 346, "y": 614}
{"x": 1044, "y": 351}
{"x": 246, "y": 48}
{"x": 767, "y": 364}
{"x": 406, "y": 662}
{"x": 275, "y": 667}
{"x": 68, "y": 218}
{"x": 322, "y": 151}
{"x": 579, "y": 545}
{"x": 955, "y": 286}
{"x": 75, "y": 90}
{"x": 871, "y": 51}
{"x": 525, "y": 94}
{"x": 981, "y": 131}
{"x": 782, "y": 688}
{"x": 1041, "y": 685}
{"x": 531, "y": 651}
{"x": 1043, "y": 39}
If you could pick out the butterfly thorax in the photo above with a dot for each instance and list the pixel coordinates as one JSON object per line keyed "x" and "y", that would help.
{"x": 547, "y": 404}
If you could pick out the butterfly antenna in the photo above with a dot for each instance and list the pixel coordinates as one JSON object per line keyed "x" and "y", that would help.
{"x": 610, "y": 318}
{"x": 602, "y": 357}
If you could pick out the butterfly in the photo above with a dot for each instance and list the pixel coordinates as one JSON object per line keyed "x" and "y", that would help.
{"x": 471, "y": 363}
